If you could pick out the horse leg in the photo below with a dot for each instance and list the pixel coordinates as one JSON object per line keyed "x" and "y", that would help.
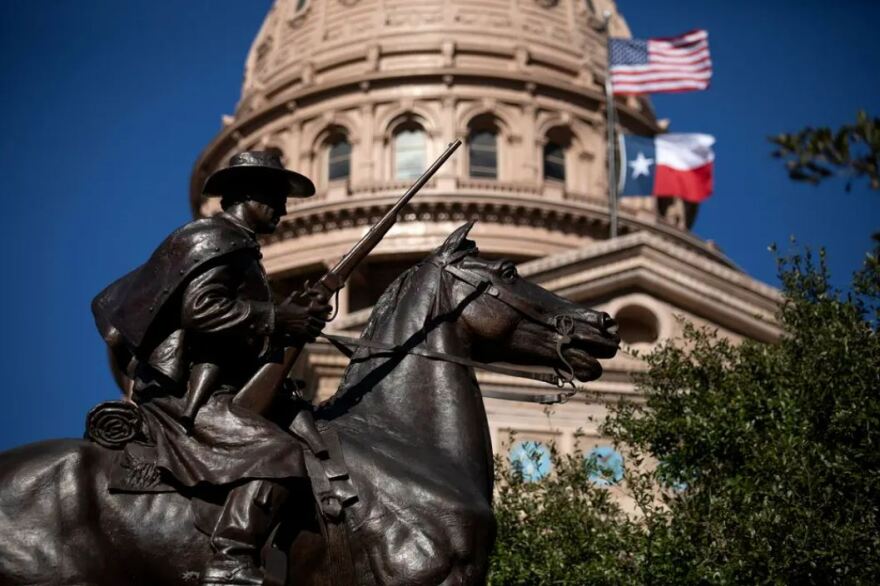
{"x": 301, "y": 536}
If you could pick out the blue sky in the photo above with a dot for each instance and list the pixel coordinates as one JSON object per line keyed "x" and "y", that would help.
{"x": 106, "y": 105}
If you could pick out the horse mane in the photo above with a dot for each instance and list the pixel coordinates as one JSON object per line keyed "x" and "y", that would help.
{"x": 387, "y": 302}
{"x": 382, "y": 312}
{"x": 384, "y": 308}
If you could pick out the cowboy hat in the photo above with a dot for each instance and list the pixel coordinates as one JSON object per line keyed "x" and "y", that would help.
{"x": 257, "y": 172}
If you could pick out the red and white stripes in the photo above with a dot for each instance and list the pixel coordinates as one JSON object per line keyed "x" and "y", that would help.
{"x": 674, "y": 64}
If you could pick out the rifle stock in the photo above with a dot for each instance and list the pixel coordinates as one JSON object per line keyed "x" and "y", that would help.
{"x": 259, "y": 392}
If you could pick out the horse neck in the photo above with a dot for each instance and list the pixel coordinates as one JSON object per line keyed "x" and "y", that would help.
{"x": 417, "y": 399}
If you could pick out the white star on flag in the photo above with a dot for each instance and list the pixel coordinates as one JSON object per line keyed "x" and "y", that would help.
{"x": 641, "y": 165}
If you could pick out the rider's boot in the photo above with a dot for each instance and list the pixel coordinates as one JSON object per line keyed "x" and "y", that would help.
{"x": 241, "y": 531}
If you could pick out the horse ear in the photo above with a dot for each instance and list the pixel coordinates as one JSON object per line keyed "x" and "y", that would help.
{"x": 458, "y": 240}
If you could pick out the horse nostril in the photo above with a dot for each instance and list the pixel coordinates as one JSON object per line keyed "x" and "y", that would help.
{"x": 608, "y": 324}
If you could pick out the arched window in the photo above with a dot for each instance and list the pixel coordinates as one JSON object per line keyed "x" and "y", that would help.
{"x": 338, "y": 158}
{"x": 554, "y": 161}
{"x": 409, "y": 152}
{"x": 483, "y": 154}
{"x": 557, "y": 150}
{"x": 530, "y": 460}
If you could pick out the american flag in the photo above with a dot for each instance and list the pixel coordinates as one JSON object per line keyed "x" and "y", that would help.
{"x": 674, "y": 64}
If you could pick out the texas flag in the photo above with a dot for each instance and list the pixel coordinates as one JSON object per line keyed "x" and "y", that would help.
{"x": 667, "y": 165}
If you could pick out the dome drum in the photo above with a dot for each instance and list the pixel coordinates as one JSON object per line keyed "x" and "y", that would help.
{"x": 524, "y": 123}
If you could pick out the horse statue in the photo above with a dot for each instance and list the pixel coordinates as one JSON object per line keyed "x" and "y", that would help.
{"x": 409, "y": 419}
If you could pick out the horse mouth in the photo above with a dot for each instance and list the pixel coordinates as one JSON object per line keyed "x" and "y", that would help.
{"x": 586, "y": 368}
{"x": 582, "y": 353}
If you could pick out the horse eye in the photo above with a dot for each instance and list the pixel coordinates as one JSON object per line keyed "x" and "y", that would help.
{"x": 508, "y": 273}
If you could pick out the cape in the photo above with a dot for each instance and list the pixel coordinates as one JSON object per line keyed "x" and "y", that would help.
{"x": 132, "y": 304}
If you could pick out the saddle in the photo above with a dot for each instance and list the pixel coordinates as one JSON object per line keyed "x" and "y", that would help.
{"x": 119, "y": 426}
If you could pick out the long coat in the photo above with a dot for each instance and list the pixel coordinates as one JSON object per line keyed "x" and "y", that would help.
{"x": 202, "y": 296}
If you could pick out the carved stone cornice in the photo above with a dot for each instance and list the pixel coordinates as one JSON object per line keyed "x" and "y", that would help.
{"x": 580, "y": 222}
{"x": 580, "y": 218}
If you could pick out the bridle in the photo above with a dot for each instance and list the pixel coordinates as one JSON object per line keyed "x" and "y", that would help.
{"x": 562, "y": 325}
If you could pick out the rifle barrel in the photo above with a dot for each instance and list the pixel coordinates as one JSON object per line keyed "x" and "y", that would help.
{"x": 365, "y": 245}
{"x": 259, "y": 392}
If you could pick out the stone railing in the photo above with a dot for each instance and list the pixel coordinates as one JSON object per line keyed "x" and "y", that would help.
{"x": 502, "y": 187}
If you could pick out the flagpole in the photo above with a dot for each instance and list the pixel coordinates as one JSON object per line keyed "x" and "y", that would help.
{"x": 611, "y": 119}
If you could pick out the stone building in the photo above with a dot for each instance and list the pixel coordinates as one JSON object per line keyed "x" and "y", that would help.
{"x": 362, "y": 94}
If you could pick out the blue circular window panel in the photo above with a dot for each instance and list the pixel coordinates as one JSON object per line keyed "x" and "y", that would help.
{"x": 531, "y": 460}
{"x": 605, "y": 466}
{"x": 671, "y": 482}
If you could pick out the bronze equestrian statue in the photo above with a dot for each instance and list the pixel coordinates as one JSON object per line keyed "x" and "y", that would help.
{"x": 387, "y": 482}
{"x": 192, "y": 325}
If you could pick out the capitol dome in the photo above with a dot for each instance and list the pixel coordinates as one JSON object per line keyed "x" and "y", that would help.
{"x": 362, "y": 95}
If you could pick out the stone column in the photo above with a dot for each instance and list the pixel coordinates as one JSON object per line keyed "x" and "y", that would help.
{"x": 363, "y": 157}
{"x": 530, "y": 152}
{"x": 448, "y": 174}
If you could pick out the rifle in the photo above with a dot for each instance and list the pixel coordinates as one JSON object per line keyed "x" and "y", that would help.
{"x": 257, "y": 394}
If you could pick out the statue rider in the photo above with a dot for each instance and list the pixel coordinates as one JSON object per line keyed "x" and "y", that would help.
{"x": 190, "y": 327}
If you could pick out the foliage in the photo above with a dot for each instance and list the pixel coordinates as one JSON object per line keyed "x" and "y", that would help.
{"x": 561, "y": 530}
{"x": 769, "y": 460}
{"x": 814, "y": 154}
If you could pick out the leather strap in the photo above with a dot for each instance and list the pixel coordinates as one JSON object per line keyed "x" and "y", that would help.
{"x": 540, "y": 398}
{"x": 511, "y": 300}
{"x": 333, "y": 492}
{"x": 561, "y": 325}
{"x": 344, "y": 344}
{"x": 340, "y": 561}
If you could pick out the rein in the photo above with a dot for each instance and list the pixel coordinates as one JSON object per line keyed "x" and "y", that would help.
{"x": 562, "y": 325}
{"x": 344, "y": 344}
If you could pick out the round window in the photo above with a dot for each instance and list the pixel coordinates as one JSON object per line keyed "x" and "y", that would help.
{"x": 531, "y": 460}
{"x": 604, "y": 466}
{"x": 637, "y": 324}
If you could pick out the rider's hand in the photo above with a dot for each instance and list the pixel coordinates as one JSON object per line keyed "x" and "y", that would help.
{"x": 301, "y": 323}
